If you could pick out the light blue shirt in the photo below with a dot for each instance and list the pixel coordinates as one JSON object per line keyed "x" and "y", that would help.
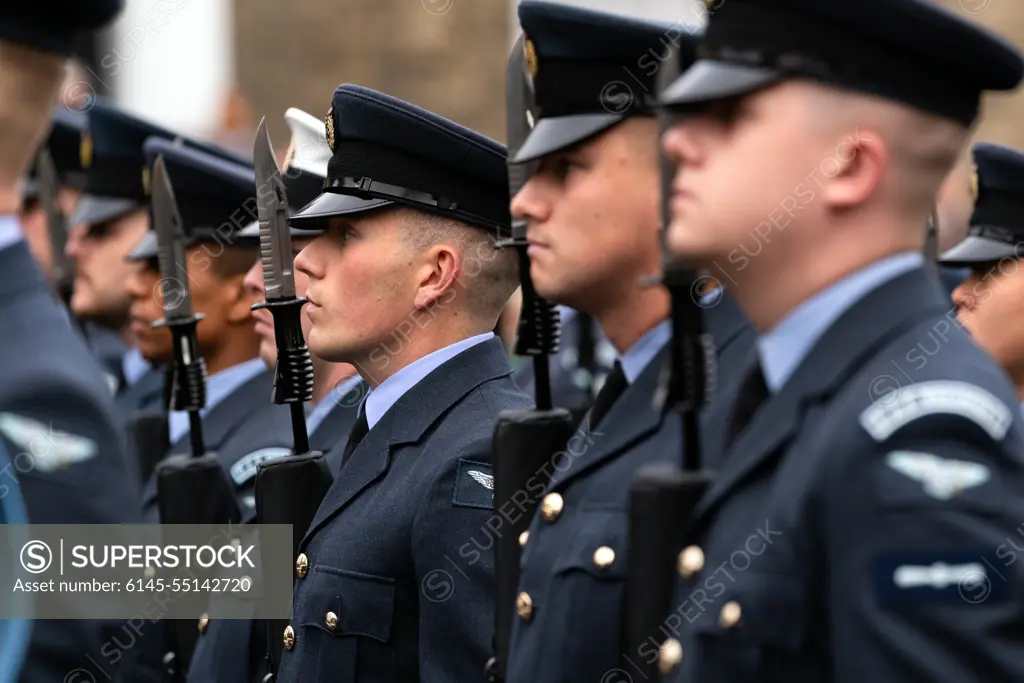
{"x": 133, "y": 365}
{"x": 783, "y": 348}
{"x": 10, "y": 231}
{"x": 328, "y": 402}
{"x": 387, "y": 393}
{"x": 218, "y": 387}
{"x": 640, "y": 355}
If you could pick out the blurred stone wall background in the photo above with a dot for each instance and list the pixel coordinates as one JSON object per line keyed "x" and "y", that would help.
{"x": 212, "y": 68}
{"x": 1003, "y": 114}
{"x": 447, "y": 56}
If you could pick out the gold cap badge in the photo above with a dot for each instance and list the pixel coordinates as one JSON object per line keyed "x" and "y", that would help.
{"x": 974, "y": 183}
{"x": 329, "y": 122}
{"x": 85, "y": 150}
{"x": 145, "y": 180}
{"x": 530, "y": 54}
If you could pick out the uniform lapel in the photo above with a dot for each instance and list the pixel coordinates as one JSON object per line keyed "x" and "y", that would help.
{"x": 232, "y": 411}
{"x": 632, "y": 417}
{"x": 871, "y": 322}
{"x": 407, "y": 421}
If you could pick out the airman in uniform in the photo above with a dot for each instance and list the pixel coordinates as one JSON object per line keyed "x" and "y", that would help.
{"x": 988, "y": 301}
{"x": 406, "y": 284}
{"x": 853, "y": 529}
{"x": 216, "y": 199}
{"x": 593, "y": 227}
{"x": 56, "y": 413}
{"x": 235, "y": 649}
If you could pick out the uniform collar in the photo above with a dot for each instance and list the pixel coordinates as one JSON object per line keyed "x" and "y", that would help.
{"x": 219, "y": 386}
{"x": 783, "y": 348}
{"x": 645, "y": 349}
{"x": 10, "y": 231}
{"x": 379, "y": 400}
{"x": 133, "y": 365}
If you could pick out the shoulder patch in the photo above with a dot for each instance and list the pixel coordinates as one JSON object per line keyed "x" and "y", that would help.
{"x": 245, "y": 467}
{"x": 883, "y": 418}
{"x": 474, "y": 485}
{"x": 49, "y": 449}
{"x": 959, "y": 576}
{"x": 941, "y": 478}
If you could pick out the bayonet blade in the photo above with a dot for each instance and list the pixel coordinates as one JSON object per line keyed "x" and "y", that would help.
{"x": 272, "y": 207}
{"x": 56, "y": 222}
{"x": 170, "y": 235}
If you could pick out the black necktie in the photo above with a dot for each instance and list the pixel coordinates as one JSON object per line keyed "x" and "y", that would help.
{"x": 753, "y": 393}
{"x": 614, "y": 385}
{"x": 355, "y": 435}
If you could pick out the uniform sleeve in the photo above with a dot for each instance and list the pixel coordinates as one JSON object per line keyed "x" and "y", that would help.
{"x": 924, "y": 540}
{"x": 453, "y": 564}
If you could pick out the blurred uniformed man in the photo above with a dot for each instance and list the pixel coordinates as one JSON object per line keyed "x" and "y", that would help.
{"x": 235, "y": 649}
{"x": 216, "y": 198}
{"x": 593, "y": 226}
{"x": 64, "y": 147}
{"x": 988, "y": 303}
{"x": 110, "y": 219}
{"x": 55, "y": 411}
{"x": 853, "y": 529}
{"x": 407, "y": 285}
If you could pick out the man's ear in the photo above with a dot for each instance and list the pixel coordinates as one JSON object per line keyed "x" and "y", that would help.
{"x": 856, "y": 169}
{"x": 442, "y": 267}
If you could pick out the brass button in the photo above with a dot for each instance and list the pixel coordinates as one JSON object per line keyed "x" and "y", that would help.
{"x": 301, "y": 565}
{"x": 289, "y": 637}
{"x": 331, "y": 620}
{"x": 731, "y": 614}
{"x": 524, "y": 606}
{"x": 523, "y": 538}
{"x": 551, "y": 507}
{"x": 669, "y": 656}
{"x": 204, "y": 621}
{"x": 691, "y": 561}
{"x": 603, "y": 557}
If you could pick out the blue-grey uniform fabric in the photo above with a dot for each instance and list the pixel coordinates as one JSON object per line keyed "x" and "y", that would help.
{"x": 235, "y": 650}
{"x": 857, "y": 528}
{"x": 389, "y": 551}
{"x": 49, "y": 379}
{"x": 243, "y": 429}
{"x": 108, "y": 349}
{"x": 14, "y": 633}
{"x": 573, "y": 633}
